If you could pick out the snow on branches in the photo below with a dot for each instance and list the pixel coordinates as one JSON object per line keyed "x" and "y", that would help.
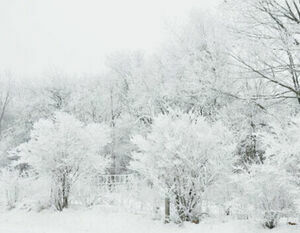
{"x": 63, "y": 149}
{"x": 183, "y": 156}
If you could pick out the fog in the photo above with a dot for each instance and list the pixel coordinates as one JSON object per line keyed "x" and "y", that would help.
{"x": 76, "y": 35}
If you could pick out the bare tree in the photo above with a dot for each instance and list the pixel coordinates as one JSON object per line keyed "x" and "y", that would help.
{"x": 273, "y": 27}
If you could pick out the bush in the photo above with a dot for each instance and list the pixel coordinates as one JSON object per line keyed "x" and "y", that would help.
{"x": 62, "y": 149}
{"x": 182, "y": 156}
{"x": 23, "y": 191}
{"x": 85, "y": 192}
{"x": 10, "y": 187}
{"x": 268, "y": 193}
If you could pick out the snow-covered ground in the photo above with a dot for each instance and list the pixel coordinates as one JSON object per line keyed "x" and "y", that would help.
{"x": 103, "y": 220}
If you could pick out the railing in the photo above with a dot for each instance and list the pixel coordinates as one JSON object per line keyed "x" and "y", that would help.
{"x": 116, "y": 179}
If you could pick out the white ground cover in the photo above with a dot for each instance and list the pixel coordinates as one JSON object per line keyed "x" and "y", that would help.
{"x": 106, "y": 220}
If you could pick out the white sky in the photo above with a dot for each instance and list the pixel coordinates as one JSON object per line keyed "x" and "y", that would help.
{"x": 75, "y": 35}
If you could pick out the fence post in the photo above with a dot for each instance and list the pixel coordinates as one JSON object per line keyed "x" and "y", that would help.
{"x": 167, "y": 209}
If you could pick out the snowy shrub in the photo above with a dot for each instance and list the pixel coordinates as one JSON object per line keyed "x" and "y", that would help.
{"x": 273, "y": 184}
{"x": 282, "y": 146}
{"x": 23, "y": 191}
{"x": 63, "y": 149}
{"x": 85, "y": 191}
{"x": 268, "y": 193}
{"x": 146, "y": 199}
{"x": 183, "y": 156}
{"x": 220, "y": 197}
{"x": 35, "y": 192}
{"x": 269, "y": 188}
{"x": 10, "y": 188}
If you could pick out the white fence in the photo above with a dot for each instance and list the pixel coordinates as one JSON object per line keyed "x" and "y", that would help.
{"x": 117, "y": 180}
{"x": 126, "y": 191}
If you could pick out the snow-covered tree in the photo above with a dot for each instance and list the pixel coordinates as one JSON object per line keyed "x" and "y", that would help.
{"x": 270, "y": 187}
{"x": 282, "y": 145}
{"x": 193, "y": 66}
{"x": 183, "y": 156}
{"x": 63, "y": 149}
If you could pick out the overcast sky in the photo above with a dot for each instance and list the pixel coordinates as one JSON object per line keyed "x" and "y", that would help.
{"x": 75, "y": 35}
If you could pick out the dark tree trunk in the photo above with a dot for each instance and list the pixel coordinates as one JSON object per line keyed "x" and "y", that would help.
{"x": 61, "y": 193}
{"x": 65, "y": 192}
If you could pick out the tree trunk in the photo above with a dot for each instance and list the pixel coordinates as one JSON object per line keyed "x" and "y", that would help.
{"x": 65, "y": 192}
{"x": 298, "y": 97}
{"x": 3, "y": 110}
{"x": 61, "y": 193}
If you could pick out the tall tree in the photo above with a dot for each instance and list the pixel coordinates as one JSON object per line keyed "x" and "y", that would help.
{"x": 270, "y": 30}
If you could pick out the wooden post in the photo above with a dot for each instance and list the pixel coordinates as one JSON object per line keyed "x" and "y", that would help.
{"x": 167, "y": 210}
